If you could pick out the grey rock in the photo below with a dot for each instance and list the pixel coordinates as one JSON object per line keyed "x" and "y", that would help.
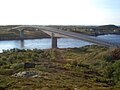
{"x": 27, "y": 74}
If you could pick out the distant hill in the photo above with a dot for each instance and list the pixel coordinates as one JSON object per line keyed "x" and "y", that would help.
{"x": 107, "y": 27}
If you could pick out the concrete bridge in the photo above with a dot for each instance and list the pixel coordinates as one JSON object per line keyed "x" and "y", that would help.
{"x": 54, "y": 33}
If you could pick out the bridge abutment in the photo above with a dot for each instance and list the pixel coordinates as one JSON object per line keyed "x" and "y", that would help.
{"x": 54, "y": 41}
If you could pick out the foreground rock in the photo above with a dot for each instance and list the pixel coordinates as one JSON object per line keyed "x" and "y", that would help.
{"x": 27, "y": 74}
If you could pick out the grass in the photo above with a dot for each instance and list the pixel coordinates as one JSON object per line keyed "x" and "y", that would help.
{"x": 59, "y": 69}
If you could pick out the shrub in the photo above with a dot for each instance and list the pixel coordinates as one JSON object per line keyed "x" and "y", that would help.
{"x": 53, "y": 55}
{"x": 67, "y": 66}
{"x": 41, "y": 68}
{"x": 74, "y": 63}
{"x": 78, "y": 64}
{"x": 11, "y": 59}
{"x": 116, "y": 53}
{"x": 113, "y": 71}
{"x": 6, "y": 72}
{"x": 108, "y": 72}
{"x": 4, "y": 58}
{"x": 116, "y": 72}
{"x": 2, "y": 62}
{"x": 29, "y": 65}
{"x": 17, "y": 66}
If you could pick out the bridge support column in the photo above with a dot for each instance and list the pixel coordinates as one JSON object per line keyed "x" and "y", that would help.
{"x": 21, "y": 34}
{"x": 54, "y": 41}
{"x": 22, "y": 44}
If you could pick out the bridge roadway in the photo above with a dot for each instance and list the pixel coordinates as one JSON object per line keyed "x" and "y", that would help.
{"x": 62, "y": 33}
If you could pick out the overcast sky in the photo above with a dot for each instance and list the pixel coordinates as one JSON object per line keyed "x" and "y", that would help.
{"x": 59, "y": 12}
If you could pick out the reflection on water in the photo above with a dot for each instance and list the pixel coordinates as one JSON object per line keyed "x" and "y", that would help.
{"x": 22, "y": 43}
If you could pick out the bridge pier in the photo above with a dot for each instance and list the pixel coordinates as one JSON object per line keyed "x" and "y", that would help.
{"x": 22, "y": 44}
{"x": 21, "y": 34}
{"x": 54, "y": 41}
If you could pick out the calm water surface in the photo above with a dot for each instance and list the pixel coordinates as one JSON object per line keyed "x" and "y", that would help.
{"x": 46, "y": 43}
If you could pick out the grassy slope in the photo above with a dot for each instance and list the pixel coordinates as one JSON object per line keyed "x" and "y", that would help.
{"x": 60, "y": 69}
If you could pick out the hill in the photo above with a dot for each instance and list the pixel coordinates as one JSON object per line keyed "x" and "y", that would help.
{"x": 107, "y": 27}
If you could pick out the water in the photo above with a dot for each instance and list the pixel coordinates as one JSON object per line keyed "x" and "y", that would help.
{"x": 40, "y": 43}
{"x": 46, "y": 43}
{"x": 111, "y": 38}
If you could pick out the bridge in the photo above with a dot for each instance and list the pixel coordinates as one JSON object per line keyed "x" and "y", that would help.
{"x": 55, "y": 33}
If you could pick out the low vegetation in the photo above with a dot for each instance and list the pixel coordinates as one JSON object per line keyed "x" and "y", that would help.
{"x": 86, "y": 68}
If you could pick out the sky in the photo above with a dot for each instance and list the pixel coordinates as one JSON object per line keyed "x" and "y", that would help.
{"x": 59, "y": 12}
